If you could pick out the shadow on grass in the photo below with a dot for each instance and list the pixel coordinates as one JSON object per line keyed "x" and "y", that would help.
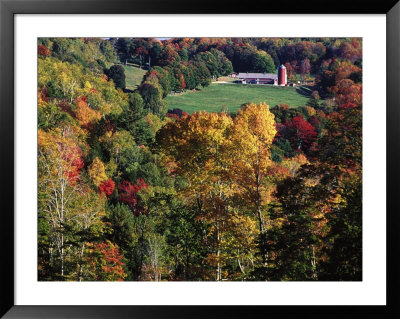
{"x": 304, "y": 91}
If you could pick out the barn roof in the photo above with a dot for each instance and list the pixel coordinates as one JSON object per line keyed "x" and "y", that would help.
{"x": 257, "y": 76}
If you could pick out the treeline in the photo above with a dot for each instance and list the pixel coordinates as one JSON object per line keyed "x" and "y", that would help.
{"x": 189, "y": 63}
{"x": 127, "y": 193}
{"x": 160, "y": 81}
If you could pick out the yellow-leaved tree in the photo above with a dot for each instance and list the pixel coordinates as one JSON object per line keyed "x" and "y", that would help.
{"x": 252, "y": 135}
{"x": 97, "y": 172}
{"x": 198, "y": 145}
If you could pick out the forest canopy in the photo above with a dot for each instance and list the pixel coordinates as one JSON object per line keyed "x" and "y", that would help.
{"x": 129, "y": 190}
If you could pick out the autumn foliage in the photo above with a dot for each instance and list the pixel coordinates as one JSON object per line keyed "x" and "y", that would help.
{"x": 128, "y": 194}
{"x": 302, "y": 132}
{"x": 43, "y": 50}
{"x": 97, "y": 172}
{"x": 84, "y": 114}
{"x": 107, "y": 187}
{"x": 128, "y": 190}
{"x": 348, "y": 94}
{"x": 64, "y": 154}
{"x": 107, "y": 261}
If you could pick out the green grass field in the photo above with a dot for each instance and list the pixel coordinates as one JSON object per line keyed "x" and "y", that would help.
{"x": 230, "y": 97}
{"x": 134, "y": 76}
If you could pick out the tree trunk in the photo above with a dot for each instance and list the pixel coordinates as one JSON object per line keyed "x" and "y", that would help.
{"x": 80, "y": 263}
{"x": 240, "y": 265}
{"x": 261, "y": 223}
{"x": 314, "y": 264}
{"x": 258, "y": 201}
{"x": 218, "y": 275}
{"x": 186, "y": 262}
{"x": 199, "y": 204}
{"x": 141, "y": 255}
{"x": 62, "y": 256}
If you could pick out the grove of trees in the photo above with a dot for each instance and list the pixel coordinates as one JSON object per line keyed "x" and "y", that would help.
{"x": 128, "y": 190}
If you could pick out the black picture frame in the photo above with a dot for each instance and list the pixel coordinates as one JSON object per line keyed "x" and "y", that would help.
{"x": 8, "y": 8}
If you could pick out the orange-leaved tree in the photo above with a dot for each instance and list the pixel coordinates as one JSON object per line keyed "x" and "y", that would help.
{"x": 105, "y": 262}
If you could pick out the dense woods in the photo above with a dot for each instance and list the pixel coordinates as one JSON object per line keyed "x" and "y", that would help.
{"x": 128, "y": 190}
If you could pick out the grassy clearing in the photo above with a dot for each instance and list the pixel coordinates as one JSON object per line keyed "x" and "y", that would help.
{"x": 216, "y": 97}
{"x": 134, "y": 76}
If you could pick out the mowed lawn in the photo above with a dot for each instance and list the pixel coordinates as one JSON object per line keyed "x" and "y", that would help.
{"x": 134, "y": 76}
{"x": 230, "y": 97}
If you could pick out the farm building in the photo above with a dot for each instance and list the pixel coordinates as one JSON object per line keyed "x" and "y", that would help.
{"x": 258, "y": 78}
{"x": 282, "y": 76}
{"x": 265, "y": 78}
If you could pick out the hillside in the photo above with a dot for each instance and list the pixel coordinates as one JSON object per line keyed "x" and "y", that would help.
{"x": 128, "y": 191}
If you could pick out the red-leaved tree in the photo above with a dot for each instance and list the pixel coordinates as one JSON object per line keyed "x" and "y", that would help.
{"x": 128, "y": 194}
{"x": 302, "y": 134}
{"x": 348, "y": 94}
{"x": 107, "y": 187}
{"x": 43, "y": 50}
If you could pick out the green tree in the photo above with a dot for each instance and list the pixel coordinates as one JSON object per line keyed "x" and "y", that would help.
{"x": 344, "y": 249}
{"x": 262, "y": 62}
{"x": 108, "y": 50}
{"x": 122, "y": 224}
{"x": 152, "y": 98}
{"x": 117, "y": 74}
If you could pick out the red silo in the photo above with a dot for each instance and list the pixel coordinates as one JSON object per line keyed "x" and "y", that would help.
{"x": 282, "y": 77}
